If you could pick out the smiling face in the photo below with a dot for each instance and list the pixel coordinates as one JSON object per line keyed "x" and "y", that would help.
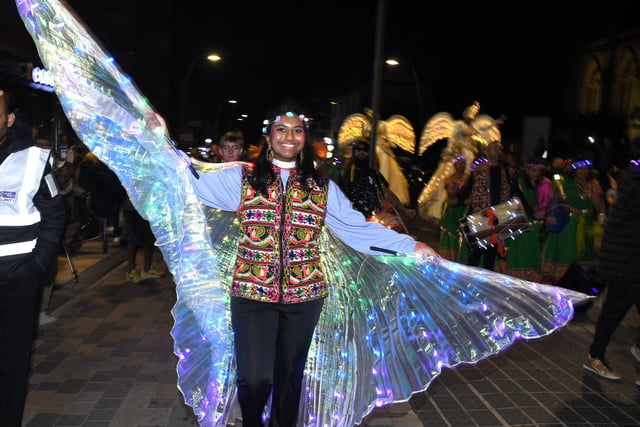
{"x": 287, "y": 138}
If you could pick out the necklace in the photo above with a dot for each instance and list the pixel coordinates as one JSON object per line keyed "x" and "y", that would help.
{"x": 283, "y": 165}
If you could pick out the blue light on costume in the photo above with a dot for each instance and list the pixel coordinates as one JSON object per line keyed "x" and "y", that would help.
{"x": 581, "y": 164}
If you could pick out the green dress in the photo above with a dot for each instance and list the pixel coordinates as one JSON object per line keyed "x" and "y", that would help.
{"x": 524, "y": 257}
{"x": 450, "y": 235}
{"x": 576, "y": 240}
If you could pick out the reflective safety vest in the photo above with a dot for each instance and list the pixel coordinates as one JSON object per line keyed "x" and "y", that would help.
{"x": 20, "y": 177}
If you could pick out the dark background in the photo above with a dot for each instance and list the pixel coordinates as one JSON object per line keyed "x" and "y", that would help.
{"x": 513, "y": 57}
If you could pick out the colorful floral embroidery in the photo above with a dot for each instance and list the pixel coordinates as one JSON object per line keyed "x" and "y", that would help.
{"x": 259, "y": 273}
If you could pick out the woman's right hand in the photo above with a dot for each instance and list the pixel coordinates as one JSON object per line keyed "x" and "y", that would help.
{"x": 157, "y": 123}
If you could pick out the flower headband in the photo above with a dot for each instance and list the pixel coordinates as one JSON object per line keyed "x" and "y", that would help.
{"x": 581, "y": 164}
{"x": 267, "y": 124}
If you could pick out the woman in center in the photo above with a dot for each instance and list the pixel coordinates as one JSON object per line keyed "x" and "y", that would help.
{"x": 278, "y": 286}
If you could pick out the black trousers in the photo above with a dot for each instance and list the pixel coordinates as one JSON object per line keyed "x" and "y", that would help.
{"x": 19, "y": 285}
{"x": 488, "y": 256}
{"x": 619, "y": 299}
{"x": 272, "y": 342}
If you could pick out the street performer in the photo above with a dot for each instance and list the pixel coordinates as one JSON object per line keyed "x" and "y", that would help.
{"x": 277, "y": 240}
{"x": 32, "y": 217}
{"x": 491, "y": 182}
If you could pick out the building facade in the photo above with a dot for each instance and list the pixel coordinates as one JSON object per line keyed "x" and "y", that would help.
{"x": 607, "y": 84}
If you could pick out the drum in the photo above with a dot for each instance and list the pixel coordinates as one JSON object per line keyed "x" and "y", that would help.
{"x": 506, "y": 220}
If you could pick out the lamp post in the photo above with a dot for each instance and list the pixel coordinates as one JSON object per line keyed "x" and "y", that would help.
{"x": 377, "y": 76}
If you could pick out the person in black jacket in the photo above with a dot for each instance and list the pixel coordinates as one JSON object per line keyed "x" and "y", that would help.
{"x": 618, "y": 263}
{"x": 32, "y": 218}
{"x": 368, "y": 190}
{"x": 101, "y": 185}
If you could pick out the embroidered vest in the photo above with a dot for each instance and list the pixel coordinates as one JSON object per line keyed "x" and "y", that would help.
{"x": 278, "y": 258}
{"x": 480, "y": 196}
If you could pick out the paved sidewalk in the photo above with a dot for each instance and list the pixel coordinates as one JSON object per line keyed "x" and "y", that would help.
{"x": 108, "y": 362}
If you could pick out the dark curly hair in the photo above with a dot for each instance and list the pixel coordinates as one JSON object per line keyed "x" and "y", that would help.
{"x": 262, "y": 174}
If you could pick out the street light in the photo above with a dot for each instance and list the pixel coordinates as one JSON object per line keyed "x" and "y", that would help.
{"x": 393, "y": 62}
{"x": 214, "y": 57}
{"x": 184, "y": 109}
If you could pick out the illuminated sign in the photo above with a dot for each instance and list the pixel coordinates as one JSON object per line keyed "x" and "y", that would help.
{"x": 42, "y": 76}
{"x": 25, "y": 73}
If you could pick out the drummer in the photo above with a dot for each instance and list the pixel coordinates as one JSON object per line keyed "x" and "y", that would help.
{"x": 491, "y": 182}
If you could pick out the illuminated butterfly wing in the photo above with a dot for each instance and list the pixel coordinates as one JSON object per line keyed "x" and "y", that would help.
{"x": 398, "y": 131}
{"x": 354, "y": 126}
{"x": 389, "y": 167}
{"x": 439, "y": 126}
{"x": 389, "y": 326}
{"x": 487, "y": 128}
{"x": 108, "y": 113}
{"x": 392, "y": 324}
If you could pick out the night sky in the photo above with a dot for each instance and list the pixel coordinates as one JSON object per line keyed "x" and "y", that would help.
{"x": 513, "y": 57}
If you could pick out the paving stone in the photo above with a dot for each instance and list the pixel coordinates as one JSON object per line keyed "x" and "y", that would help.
{"x": 108, "y": 360}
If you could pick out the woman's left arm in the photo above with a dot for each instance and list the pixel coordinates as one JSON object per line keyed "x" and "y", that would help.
{"x": 354, "y": 230}
{"x": 597, "y": 198}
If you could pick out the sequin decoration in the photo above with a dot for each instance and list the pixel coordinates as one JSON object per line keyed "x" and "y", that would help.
{"x": 390, "y": 324}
